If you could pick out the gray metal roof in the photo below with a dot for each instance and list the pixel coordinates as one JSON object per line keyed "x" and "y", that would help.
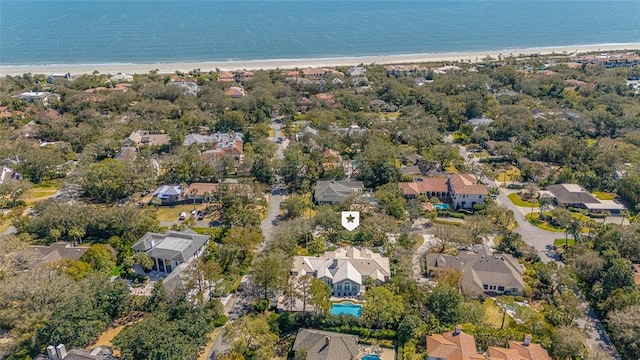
{"x": 571, "y": 194}
{"x": 173, "y": 245}
{"x": 339, "y": 347}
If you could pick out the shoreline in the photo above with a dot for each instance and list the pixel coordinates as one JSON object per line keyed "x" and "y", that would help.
{"x": 270, "y": 64}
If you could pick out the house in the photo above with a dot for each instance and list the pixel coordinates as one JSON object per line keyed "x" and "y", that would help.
{"x": 458, "y": 345}
{"x": 481, "y": 271}
{"x": 571, "y": 195}
{"x": 421, "y": 81}
{"x": 43, "y": 98}
{"x": 199, "y": 192}
{"x": 345, "y": 269}
{"x": 357, "y": 71}
{"x": 315, "y": 73}
{"x": 327, "y": 99}
{"x": 429, "y": 187}
{"x": 483, "y": 121}
{"x": 140, "y": 138}
{"x": 335, "y": 192}
{"x": 224, "y": 145}
{"x": 235, "y": 92}
{"x": 525, "y": 350}
{"x": 187, "y": 87}
{"x": 241, "y": 76}
{"x": 226, "y": 76}
{"x": 304, "y": 104}
{"x": 355, "y": 130}
{"x": 6, "y": 114}
{"x": 462, "y": 191}
{"x": 610, "y": 61}
{"x": 172, "y": 248}
{"x": 217, "y": 138}
{"x": 121, "y": 78}
{"x": 405, "y": 70}
{"x": 60, "y": 352}
{"x": 466, "y": 192}
{"x": 331, "y": 159}
{"x": 53, "y": 77}
{"x": 8, "y": 173}
{"x": 127, "y": 153}
{"x": 325, "y": 345}
{"x": 167, "y": 194}
{"x": 58, "y": 251}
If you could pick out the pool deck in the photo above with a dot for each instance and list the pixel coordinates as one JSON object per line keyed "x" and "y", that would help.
{"x": 384, "y": 353}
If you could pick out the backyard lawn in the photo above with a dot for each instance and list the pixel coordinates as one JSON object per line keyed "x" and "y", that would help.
{"x": 517, "y": 201}
{"x": 494, "y": 313}
{"x": 43, "y": 192}
{"x": 604, "y": 195}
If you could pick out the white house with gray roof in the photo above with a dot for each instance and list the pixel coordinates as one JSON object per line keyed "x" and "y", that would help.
{"x": 345, "y": 269}
{"x": 172, "y": 248}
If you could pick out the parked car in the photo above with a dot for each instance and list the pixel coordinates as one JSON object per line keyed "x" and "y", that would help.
{"x": 194, "y": 213}
{"x": 201, "y": 215}
{"x": 183, "y": 215}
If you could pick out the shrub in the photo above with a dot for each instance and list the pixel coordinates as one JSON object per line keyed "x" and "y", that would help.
{"x": 220, "y": 320}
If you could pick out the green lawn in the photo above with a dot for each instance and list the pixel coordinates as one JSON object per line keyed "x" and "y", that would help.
{"x": 533, "y": 219}
{"x": 517, "y": 201}
{"x": 563, "y": 242}
{"x": 509, "y": 175}
{"x": 494, "y": 313}
{"x": 604, "y": 195}
{"x": 172, "y": 213}
{"x": 116, "y": 271}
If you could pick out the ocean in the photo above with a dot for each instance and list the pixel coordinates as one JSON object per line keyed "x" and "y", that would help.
{"x": 150, "y": 31}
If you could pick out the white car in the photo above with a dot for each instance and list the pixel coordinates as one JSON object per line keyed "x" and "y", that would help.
{"x": 183, "y": 215}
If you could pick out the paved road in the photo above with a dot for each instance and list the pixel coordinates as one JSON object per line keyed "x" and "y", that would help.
{"x": 275, "y": 199}
{"x": 540, "y": 239}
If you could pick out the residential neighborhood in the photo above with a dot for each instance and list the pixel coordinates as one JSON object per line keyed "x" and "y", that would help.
{"x": 447, "y": 210}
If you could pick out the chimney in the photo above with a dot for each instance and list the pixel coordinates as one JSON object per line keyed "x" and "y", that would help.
{"x": 51, "y": 353}
{"x": 327, "y": 340}
{"x": 527, "y": 340}
{"x": 61, "y": 351}
{"x": 458, "y": 330}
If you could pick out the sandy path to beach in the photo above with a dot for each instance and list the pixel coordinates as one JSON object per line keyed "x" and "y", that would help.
{"x": 303, "y": 63}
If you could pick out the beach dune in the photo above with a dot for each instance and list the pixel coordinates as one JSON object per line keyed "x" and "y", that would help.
{"x": 475, "y": 56}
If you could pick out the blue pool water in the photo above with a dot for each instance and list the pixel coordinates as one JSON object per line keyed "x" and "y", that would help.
{"x": 347, "y": 308}
{"x": 371, "y": 357}
{"x": 441, "y": 206}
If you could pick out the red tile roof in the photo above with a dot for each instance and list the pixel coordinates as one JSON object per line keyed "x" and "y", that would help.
{"x": 466, "y": 184}
{"x": 426, "y": 185}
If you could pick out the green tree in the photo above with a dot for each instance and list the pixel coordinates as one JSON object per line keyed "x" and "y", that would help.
{"x": 252, "y": 335}
{"x": 623, "y": 324}
{"x": 108, "y": 180}
{"x": 568, "y": 343}
{"x": 261, "y": 171}
{"x": 383, "y": 308}
{"x": 269, "y": 272}
{"x": 444, "y": 302}
{"x": 319, "y": 294}
{"x": 100, "y": 257}
{"x": 144, "y": 260}
{"x": 391, "y": 199}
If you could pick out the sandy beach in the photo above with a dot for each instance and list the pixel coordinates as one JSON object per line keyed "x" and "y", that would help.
{"x": 475, "y": 56}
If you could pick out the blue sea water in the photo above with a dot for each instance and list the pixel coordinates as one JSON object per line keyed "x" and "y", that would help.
{"x": 156, "y": 31}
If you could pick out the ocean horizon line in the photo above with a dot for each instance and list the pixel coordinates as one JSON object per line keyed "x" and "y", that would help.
{"x": 327, "y": 61}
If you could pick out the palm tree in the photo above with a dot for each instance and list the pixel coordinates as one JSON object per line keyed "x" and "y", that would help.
{"x": 623, "y": 215}
{"x": 77, "y": 234}
{"x": 575, "y": 228}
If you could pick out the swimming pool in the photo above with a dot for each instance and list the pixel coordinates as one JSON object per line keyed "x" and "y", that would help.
{"x": 370, "y": 357}
{"x": 347, "y": 308}
{"x": 441, "y": 206}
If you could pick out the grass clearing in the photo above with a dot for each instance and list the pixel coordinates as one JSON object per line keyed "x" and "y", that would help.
{"x": 494, "y": 313}
{"x": 116, "y": 271}
{"x": 534, "y": 220}
{"x": 272, "y": 133}
{"x": 601, "y": 195}
{"x": 517, "y": 201}
{"x": 510, "y": 175}
{"x": 172, "y": 213}
{"x": 563, "y": 242}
